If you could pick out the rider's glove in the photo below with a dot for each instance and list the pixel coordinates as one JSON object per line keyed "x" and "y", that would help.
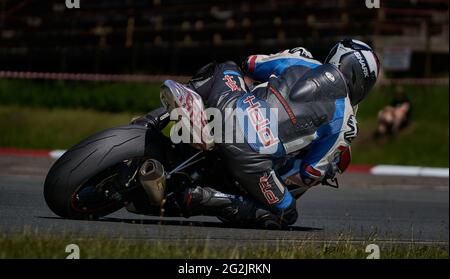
{"x": 301, "y": 51}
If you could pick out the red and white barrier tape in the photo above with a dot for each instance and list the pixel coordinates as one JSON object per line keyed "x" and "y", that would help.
{"x": 384, "y": 170}
{"x": 88, "y": 77}
{"x": 159, "y": 78}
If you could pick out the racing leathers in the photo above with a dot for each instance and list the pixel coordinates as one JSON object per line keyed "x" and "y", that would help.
{"x": 305, "y": 143}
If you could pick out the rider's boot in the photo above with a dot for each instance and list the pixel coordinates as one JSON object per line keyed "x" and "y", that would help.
{"x": 236, "y": 210}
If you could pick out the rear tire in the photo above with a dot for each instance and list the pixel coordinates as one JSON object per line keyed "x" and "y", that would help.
{"x": 90, "y": 157}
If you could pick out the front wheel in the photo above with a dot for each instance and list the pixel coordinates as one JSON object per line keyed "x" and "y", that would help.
{"x": 80, "y": 184}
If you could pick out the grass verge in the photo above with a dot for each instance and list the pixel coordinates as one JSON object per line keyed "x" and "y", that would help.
{"x": 101, "y": 96}
{"x": 423, "y": 143}
{"x": 34, "y": 246}
{"x": 42, "y": 128}
{"x": 57, "y": 115}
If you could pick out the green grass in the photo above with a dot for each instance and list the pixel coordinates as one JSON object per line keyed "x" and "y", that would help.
{"x": 101, "y": 96}
{"x": 41, "y": 128}
{"x": 424, "y": 142}
{"x": 47, "y": 114}
{"x": 28, "y": 245}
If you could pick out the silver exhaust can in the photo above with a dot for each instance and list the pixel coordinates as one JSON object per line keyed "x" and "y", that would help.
{"x": 151, "y": 176}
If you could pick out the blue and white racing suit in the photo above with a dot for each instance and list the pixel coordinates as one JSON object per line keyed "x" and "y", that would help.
{"x": 309, "y": 137}
{"x": 328, "y": 151}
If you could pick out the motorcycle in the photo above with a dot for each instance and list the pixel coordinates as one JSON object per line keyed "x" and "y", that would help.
{"x": 134, "y": 166}
{"x": 137, "y": 167}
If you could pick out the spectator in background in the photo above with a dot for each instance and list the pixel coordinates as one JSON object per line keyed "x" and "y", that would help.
{"x": 396, "y": 116}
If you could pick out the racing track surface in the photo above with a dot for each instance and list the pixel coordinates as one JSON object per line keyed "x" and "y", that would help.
{"x": 397, "y": 209}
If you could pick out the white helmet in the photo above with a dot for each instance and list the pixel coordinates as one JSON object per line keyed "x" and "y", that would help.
{"x": 358, "y": 63}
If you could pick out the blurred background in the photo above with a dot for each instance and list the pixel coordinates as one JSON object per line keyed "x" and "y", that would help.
{"x": 66, "y": 73}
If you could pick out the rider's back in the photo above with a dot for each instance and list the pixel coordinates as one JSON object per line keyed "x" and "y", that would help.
{"x": 306, "y": 99}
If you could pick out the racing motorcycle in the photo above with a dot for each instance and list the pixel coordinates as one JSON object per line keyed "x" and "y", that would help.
{"x": 136, "y": 166}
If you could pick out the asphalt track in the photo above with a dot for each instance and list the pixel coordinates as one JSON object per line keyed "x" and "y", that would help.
{"x": 388, "y": 209}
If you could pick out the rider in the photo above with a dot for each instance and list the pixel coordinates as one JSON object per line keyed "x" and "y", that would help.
{"x": 316, "y": 123}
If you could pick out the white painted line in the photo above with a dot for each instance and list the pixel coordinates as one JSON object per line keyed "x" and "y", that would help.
{"x": 409, "y": 171}
{"x": 435, "y": 172}
{"x": 55, "y": 154}
{"x": 393, "y": 170}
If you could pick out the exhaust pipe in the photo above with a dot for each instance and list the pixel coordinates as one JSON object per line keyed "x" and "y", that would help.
{"x": 151, "y": 176}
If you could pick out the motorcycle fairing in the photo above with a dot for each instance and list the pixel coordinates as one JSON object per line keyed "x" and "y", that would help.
{"x": 190, "y": 106}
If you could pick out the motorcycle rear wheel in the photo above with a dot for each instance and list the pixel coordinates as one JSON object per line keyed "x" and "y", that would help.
{"x": 95, "y": 155}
